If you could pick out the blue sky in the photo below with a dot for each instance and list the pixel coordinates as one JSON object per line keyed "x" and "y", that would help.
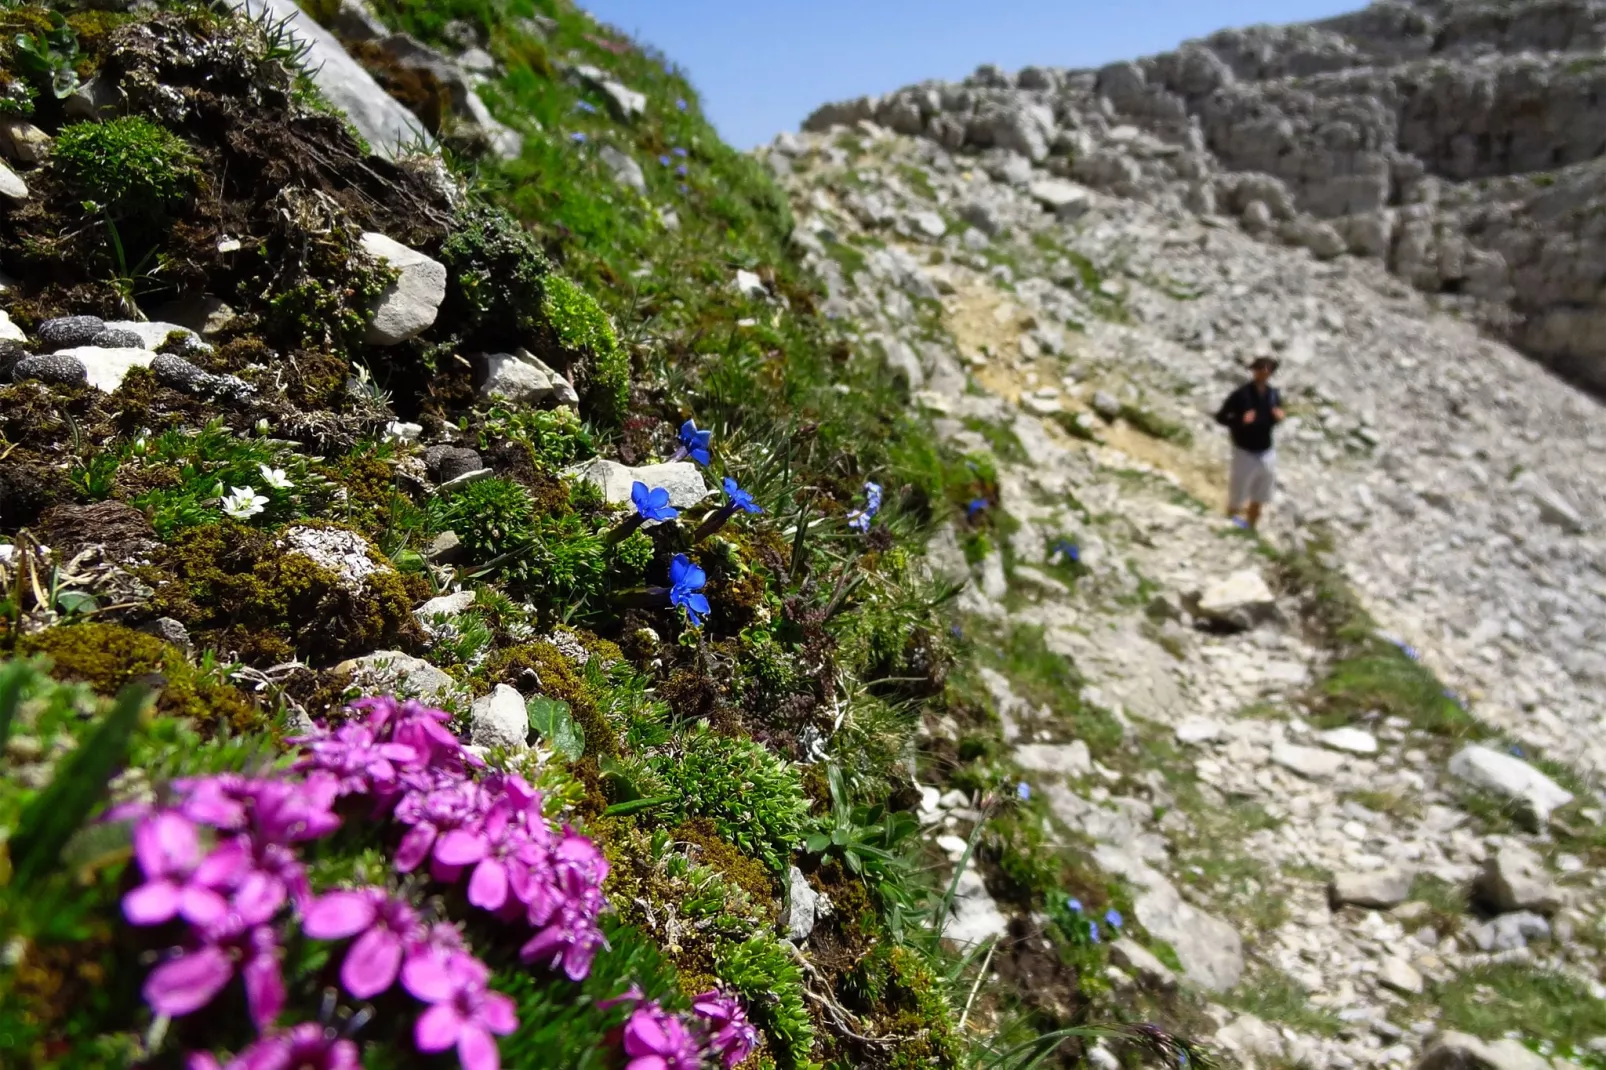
{"x": 763, "y": 65}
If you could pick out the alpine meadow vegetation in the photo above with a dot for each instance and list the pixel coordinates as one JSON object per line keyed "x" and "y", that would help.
{"x": 357, "y": 711}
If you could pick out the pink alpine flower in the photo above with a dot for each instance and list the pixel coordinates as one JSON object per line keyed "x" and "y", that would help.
{"x": 187, "y": 983}
{"x": 388, "y": 926}
{"x": 308, "y": 1046}
{"x": 418, "y": 726}
{"x": 503, "y": 846}
{"x": 565, "y": 912}
{"x": 432, "y": 813}
{"x": 731, "y": 1037}
{"x": 464, "y": 1012}
{"x": 179, "y": 880}
{"x": 360, "y": 763}
{"x": 655, "y": 1039}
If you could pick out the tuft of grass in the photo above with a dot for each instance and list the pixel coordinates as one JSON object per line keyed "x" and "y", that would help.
{"x": 1156, "y": 426}
{"x": 1492, "y": 999}
{"x": 1273, "y": 996}
{"x": 127, "y": 165}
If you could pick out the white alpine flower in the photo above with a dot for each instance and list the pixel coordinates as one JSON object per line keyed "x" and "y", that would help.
{"x": 244, "y": 503}
{"x": 274, "y": 477}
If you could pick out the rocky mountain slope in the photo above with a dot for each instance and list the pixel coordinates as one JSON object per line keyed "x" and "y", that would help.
{"x": 458, "y": 596}
{"x": 1333, "y": 748}
{"x": 487, "y": 581}
{"x": 1459, "y": 142}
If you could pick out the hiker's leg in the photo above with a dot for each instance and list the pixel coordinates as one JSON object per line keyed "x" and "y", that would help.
{"x": 1252, "y": 514}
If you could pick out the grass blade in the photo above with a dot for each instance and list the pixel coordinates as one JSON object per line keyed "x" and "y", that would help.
{"x": 44, "y": 828}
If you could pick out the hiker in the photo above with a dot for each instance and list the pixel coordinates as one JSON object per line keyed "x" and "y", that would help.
{"x": 1249, "y": 413}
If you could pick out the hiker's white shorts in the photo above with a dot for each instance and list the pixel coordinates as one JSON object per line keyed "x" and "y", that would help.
{"x": 1253, "y": 479}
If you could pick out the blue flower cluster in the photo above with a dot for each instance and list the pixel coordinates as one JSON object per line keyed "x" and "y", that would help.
{"x": 1112, "y": 920}
{"x": 686, "y": 582}
{"x": 860, "y": 519}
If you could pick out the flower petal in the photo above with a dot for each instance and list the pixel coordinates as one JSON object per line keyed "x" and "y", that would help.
{"x": 152, "y": 903}
{"x": 498, "y": 1014}
{"x": 476, "y": 1049}
{"x": 426, "y": 978}
{"x": 202, "y": 906}
{"x": 264, "y": 989}
{"x": 487, "y": 888}
{"x": 372, "y": 963}
{"x": 337, "y": 915}
{"x": 189, "y": 982}
{"x": 460, "y": 847}
{"x": 437, "y": 1028}
{"x": 414, "y": 847}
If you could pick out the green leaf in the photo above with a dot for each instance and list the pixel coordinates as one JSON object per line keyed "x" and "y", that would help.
{"x": 71, "y": 602}
{"x": 13, "y": 679}
{"x": 50, "y": 820}
{"x": 554, "y": 723}
{"x": 818, "y": 842}
{"x": 638, "y": 804}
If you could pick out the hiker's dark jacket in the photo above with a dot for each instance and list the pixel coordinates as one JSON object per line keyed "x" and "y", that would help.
{"x": 1254, "y": 437}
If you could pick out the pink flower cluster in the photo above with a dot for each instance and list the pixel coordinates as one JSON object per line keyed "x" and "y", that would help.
{"x": 222, "y": 858}
{"x": 658, "y": 1039}
{"x": 491, "y": 829}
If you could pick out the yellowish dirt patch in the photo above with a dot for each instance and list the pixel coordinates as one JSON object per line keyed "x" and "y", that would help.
{"x": 986, "y": 321}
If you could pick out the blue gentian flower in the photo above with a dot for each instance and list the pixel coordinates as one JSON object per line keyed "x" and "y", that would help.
{"x": 686, "y": 581}
{"x": 678, "y": 151}
{"x": 1093, "y": 931}
{"x": 663, "y": 161}
{"x": 652, "y": 504}
{"x": 860, "y": 518}
{"x": 1069, "y": 549}
{"x": 1074, "y": 904}
{"x": 681, "y": 171}
{"x": 694, "y": 443}
{"x": 585, "y": 106}
{"x": 976, "y": 505}
{"x": 1023, "y": 791}
{"x": 957, "y": 632}
{"x": 1516, "y": 750}
{"x": 578, "y": 137}
{"x": 739, "y": 498}
{"x": 681, "y": 104}
{"x": 684, "y": 189}
{"x": 1113, "y": 919}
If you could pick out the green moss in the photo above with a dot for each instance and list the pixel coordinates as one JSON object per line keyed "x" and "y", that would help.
{"x": 545, "y": 668}
{"x": 127, "y": 165}
{"x": 767, "y": 976}
{"x": 718, "y": 853}
{"x": 495, "y": 271}
{"x": 754, "y": 798}
{"x": 899, "y": 989}
{"x": 582, "y": 329}
{"x": 249, "y": 594}
{"x": 109, "y": 656}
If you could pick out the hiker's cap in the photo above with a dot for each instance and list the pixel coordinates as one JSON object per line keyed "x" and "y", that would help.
{"x": 1269, "y": 363}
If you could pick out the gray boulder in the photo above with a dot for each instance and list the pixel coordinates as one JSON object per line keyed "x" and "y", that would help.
{"x": 408, "y": 306}
{"x": 682, "y": 479}
{"x": 624, "y": 169}
{"x": 378, "y": 117}
{"x": 523, "y": 378}
{"x": 58, "y": 368}
{"x": 1452, "y": 1050}
{"x": 1379, "y": 889}
{"x": 66, "y": 331}
{"x": 1514, "y": 878}
{"x": 500, "y": 719}
{"x": 1510, "y": 778}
